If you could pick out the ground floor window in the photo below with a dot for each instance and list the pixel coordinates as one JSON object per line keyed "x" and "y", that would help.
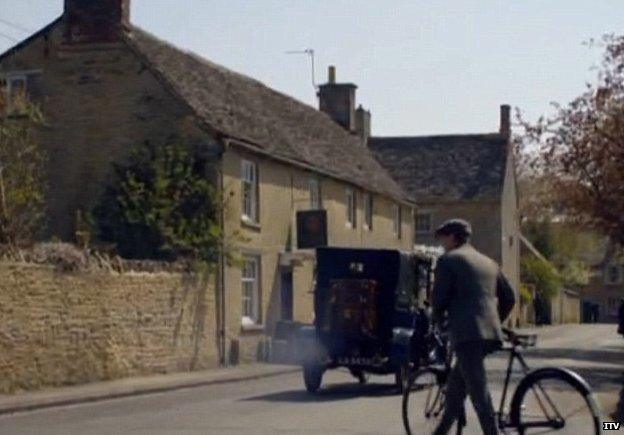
{"x": 612, "y": 306}
{"x": 251, "y": 291}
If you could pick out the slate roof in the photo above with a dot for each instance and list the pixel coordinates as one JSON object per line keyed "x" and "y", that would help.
{"x": 445, "y": 168}
{"x": 243, "y": 108}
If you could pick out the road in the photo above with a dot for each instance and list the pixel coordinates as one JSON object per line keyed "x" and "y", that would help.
{"x": 280, "y": 405}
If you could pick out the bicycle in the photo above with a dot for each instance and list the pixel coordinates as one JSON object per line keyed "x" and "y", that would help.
{"x": 430, "y": 381}
{"x": 545, "y": 400}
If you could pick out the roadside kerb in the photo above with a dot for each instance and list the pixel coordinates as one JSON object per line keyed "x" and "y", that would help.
{"x": 99, "y": 391}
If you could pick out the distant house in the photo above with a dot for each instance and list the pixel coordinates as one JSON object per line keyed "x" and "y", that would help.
{"x": 602, "y": 295}
{"x": 105, "y": 86}
{"x": 471, "y": 176}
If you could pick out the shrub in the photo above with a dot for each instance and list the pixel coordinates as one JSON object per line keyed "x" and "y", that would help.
{"x": 22, "y": 182}
{"x": 162, "y": 205}
{"x": 542, "y": 275}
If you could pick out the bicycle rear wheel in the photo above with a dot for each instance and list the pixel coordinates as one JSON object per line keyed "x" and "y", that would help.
{"x": 423, "y": 402}
{"x": 555, "y": 401}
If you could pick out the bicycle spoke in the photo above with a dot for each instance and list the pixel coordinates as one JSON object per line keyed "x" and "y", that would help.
{"x": 576, "y": 410}
{"x": 425, "y": 403}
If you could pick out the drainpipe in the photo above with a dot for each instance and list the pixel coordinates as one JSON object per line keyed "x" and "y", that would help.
{"x": 221, "y": 290}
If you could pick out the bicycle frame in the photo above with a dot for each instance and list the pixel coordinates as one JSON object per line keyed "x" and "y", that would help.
{"x": 513, "y": 355}
{"x": 503, "y": 420}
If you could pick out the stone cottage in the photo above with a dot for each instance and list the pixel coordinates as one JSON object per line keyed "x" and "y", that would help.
{"x": 602, "y": 295}
{"x": 105, "y": 86}
{"x": 471, "y": 176}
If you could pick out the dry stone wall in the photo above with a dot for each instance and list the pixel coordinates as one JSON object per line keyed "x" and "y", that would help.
{"x": 70, "y": 328}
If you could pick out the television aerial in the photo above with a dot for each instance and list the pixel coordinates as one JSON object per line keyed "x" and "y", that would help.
{"x": 309, "y": 52}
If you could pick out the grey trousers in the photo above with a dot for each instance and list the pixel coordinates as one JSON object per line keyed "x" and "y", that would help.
{"x": 468, "y": 377}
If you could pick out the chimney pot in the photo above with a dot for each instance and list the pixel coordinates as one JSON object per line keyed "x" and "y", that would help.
{"x": 363, "y": 124}
{"x": 505, "y": 120}
{"x": 331, "y": 74}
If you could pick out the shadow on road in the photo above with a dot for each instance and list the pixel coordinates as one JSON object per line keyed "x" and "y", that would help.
{"x": 329, "y": 393}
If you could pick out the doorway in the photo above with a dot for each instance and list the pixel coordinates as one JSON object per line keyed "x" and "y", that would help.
{"x": 286, "y": 295}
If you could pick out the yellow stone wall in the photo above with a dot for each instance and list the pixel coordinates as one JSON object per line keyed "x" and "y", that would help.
{"x": 71, "y": 328}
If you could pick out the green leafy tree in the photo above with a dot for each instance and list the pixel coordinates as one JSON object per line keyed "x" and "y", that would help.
{"x": 22, "y": 180}
{"x": 162, "y": 205}
{"x": 542, "y": 275}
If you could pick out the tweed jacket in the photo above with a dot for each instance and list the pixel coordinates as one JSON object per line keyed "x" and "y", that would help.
{"x": 472, "y": 290}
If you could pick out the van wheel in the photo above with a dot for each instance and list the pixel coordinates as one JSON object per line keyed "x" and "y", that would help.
{"x": 312, "y": 377}
{"x": 360, "y": 375}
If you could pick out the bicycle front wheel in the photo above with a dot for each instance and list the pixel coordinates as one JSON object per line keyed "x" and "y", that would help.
{"x": 423, "y": 402}
{"x": 556, "y": 401}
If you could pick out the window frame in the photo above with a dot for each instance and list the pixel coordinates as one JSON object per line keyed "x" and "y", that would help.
{"x": 619, "y": 277}
{"x": 10, "y": 78}
{"x": 251, "y": 315}
{"x": 351, "y": 207}
{"x": 369, "y": 211}
{"x": 250, "y": 179}
{"x": 315, "y": 193}
{"x": 397, "y": 220}
{"x": 612, "y": 306}
{"x": 418, "y": 215}
{"x": 7, "y": 89}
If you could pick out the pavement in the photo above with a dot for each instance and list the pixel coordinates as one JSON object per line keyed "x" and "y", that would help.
{"x": 278, "y": 404}
{"x": 136, "y": 386}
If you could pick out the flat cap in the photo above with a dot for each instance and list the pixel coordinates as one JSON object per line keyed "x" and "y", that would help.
{"x": 456, "y": 227}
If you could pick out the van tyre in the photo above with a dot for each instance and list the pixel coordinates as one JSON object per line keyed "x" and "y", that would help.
{"x": 312, "y": 377}
{"x": 359, "y": 375}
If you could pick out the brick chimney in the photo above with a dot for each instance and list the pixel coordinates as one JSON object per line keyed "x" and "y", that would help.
{"x": 95, "y": 20}
{"x": 505, "y": 120}
{"x": 338, "y": 100}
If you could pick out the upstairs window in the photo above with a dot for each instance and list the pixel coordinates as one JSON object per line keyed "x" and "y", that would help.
{"x": 250, "y": 191}
{"x": 13, "y": 93}
{"x": 351, "y": 208}
{"x": 396, "y": 222}
{"x": 423, "y": 223}
{"x": 368, "y": 211}
{"x": 314, "y": 186}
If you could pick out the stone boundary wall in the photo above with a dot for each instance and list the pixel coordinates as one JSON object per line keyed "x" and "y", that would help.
{"x": 64, "y": 328}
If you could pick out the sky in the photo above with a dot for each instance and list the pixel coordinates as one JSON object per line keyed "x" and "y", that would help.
{"x": 421, "y": 67}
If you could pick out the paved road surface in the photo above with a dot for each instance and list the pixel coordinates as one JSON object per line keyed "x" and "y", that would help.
{"x": 280, "y": 405}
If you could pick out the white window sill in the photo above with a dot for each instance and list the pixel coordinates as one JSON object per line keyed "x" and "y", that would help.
{"x": 252, "y": 327}
{"x": 246, "y": 221}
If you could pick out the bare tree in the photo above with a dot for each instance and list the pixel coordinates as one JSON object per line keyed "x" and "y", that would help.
{"x": 579, "y": 152}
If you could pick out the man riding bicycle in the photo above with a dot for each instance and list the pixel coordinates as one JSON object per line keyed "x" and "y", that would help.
{"x": 466, "y": 289}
